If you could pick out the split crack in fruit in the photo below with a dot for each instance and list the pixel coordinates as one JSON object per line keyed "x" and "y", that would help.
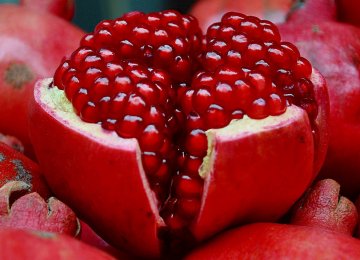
{"x": 156, "y": 78}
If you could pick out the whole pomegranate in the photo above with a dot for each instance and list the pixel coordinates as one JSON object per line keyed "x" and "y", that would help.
{"x": 322, "y": 206}
{"x": 160, "y": 136}
{"x": 334, "y": 49}
{"x": 15, "y": 166}
{"x": 210, "y": 11}
{"x": 16, "y": 244}
{"x": 349, "y": 11}
{"x": 31, "y": 46}
{"x": 23, "y": 210}
{"x": 279, "y": 241}
{"x": 61, "y": 8}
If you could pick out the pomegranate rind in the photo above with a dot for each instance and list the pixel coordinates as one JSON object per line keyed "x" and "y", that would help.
{"x": 259, "y": 168}
{"x": 95, "y": 172}
{"x": 16, "y": 244}
{"x": 278, "y": 241}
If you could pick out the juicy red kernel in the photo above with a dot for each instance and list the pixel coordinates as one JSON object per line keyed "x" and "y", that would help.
{"x": 156, "y": 78}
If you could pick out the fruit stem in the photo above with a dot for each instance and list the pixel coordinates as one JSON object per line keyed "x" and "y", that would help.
{"x": 312, "y": 10}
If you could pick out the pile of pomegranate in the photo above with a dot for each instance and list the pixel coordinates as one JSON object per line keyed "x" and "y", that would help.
{"x": 166, "y": 136}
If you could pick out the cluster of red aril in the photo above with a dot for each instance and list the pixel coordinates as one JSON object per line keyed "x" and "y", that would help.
{"x": 156, "y": 78}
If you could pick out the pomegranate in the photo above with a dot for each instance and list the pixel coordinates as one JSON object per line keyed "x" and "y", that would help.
{"x": 14, "y": 166}
{"x": 61, "y": 8}
{"x": 334, "y": 49}
{"x": 160, "y": 127}
{"x": 279, "y": 241}
{"x": 16, "y": 244}
{"x": 12, "y": 142}
{"x": 348, "y": 11}
{"x": 31, "y": 46}
{"x": 30, "y": 211}
{"x": 322, "y": 207}
{"x": 209, "y": 11}
{"x": 88, "y": 236}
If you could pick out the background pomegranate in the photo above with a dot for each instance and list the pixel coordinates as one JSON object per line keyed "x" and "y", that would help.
{"x": 210, "y": 11}
{"x": 18, "y": 244}
{"x": 334, "y": 49}
{"x": 61, "y": 8}
{"x": 279, "y": 241}
{"x": 31, "y": 46}
{"x": 163, "y": 104}
{"x": 15, "y": 166}
{"x": 348, "y": 11}
{"x": 322, "y": 206}
{"x": 23, "y": 210}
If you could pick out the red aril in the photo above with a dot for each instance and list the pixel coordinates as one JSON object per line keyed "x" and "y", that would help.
{"x": 160, "y": 127}
{"x": 31, "y": 46}
{"x": 12, "y": 142}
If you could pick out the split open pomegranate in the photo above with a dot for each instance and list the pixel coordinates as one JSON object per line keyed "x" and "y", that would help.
{"x": 155, "y": 132}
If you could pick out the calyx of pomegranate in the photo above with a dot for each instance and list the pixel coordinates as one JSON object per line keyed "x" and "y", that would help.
{"x": 146, "y": 154}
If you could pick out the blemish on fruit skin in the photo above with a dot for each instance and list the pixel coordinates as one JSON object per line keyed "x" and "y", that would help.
{"x": 17, "y": 75}
{"x": 21, "y": 173}
{"x": 2, "y": 157}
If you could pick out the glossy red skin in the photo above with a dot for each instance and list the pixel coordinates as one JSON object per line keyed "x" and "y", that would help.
{"x": 18, "y": 244}
{"x": 210, "y": 11}
{"x": 348, "y": 11}
{"x": 278, "y": 241}
{"x": 334, "y": 49}
{"x": 61, "y": 8}
{"x": 39, "y": 41}
{"x": 88, "y": 236}
{"x": 323, "y": 207}
{"x": 112, "y": 193}
{"x": 15, "y": 166}
{"x": 31, "y": 212}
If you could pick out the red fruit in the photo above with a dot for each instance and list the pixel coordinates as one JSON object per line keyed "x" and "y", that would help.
{"x": 321, "y": 206}
{"x": 61, "y": 8}
{"x": 12, "y": 142}
{"x": 30, "y": 211}
{"x": 278, "y": 241}
{"x": 171, "y": 151}
{"x": 210, "y": 11}
{"x": 334, "y": 49}
{"x": 14, "y": 166}
{"x": 18, "y": 244}
{"x": 31, "y": 46}
{"x": 88, "y": 236}
{"x": 348, "y": 11}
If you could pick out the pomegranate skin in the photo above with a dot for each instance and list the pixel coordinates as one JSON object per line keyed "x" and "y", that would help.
{"x": 31, "y": 46}
{"x": 333, "y": 48}
{"x": 61, "y": 8}
{"x": 14, "y": 166}
{"x": 349, "y": 11}
{"x": 18, "y": 244}
{"x": 31, "y": 212}
{"x": 279, "y": 241}
{"x": 109, "y": 192}
{"x": 323, "y": 207}
{"x": 112, "y": 194}
{"x": 210, "y": 11}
